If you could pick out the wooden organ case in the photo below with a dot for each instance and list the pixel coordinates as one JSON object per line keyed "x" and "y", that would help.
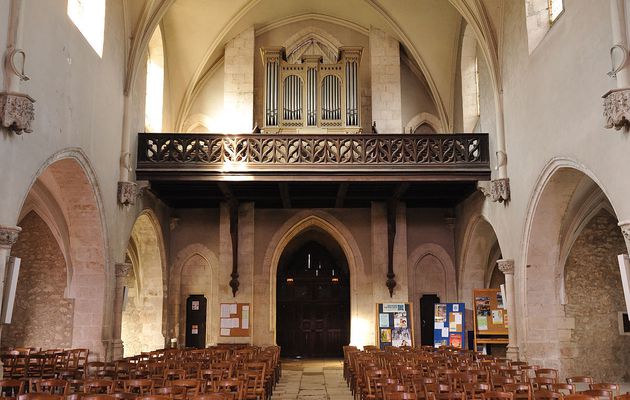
{"x": 311, "y": 94}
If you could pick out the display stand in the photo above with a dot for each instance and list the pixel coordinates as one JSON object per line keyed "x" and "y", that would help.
{"x": 235, "y": 320}
{"x": 490, "y": 317}
{"x": 450, "y": 325}
{"x": 394, "y": 324}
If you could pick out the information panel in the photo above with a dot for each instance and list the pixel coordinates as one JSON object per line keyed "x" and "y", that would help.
{"x": 490, "y": 317}
{"x": 394, "y": 324}
{"x": 450, "y": 325}
{"x": 235, "y": 320}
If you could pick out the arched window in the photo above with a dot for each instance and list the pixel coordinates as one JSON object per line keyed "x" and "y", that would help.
{"x": 470, "y": 81}
{"x": 155, "y": 84}
{"x": 89, "y": 18}
{"x": 541, "y": 14}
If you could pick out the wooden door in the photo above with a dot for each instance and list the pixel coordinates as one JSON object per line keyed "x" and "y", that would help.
{"x": 427, "y": 318}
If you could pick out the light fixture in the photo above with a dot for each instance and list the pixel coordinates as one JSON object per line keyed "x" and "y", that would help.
{"x": 289, "y": 280}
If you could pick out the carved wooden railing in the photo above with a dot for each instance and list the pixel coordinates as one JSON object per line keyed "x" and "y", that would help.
{"x": 306, "y": 152}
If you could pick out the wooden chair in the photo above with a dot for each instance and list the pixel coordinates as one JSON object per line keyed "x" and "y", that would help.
{"x": 606, "y": 386}
{"x": 124, "y": 396}
{"x": 40, "y": 396}
{"x": 231, "y": 386}
{"x": 547, "y": 373}
{"x": 209, "y": 396}
{"x": 98, "y": 397}
{"x": 53, "y": 386}
{"x": 623, "y": 397}
{"x": 98, "y": 386}
{"x": 153, "y": 397}
{"x": 93, "y": 370}
{"x": 564, "y": 388}
{"x": 547, "y": 395}
{"x": 11, "y": 388}
{"x": 498, "y": 381}
{"x": 542, "y": 383}
{"x": 172, "y": 392}
{"x": 400, "y": 396}
{"x": 497, "y": 395}
{"x": 474, "y": 390}
{"x": 139, "y": 386}
{"x": 192, "y": 387}
{"x": 521, "y": 391}
{"x": 579, "y": 396}
{"x": 601, "y": 394}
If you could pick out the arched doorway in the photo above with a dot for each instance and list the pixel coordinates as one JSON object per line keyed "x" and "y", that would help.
{"x": 313, "y": 297}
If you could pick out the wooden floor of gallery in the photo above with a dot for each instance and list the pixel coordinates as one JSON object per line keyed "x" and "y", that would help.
{"x": 313, "y": 380}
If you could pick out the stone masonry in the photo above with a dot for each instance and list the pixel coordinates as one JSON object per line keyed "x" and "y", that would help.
{"x": 386, "y": 96}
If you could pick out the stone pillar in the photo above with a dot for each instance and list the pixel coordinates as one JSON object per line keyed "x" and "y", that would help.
{"x": 8, "y": 237}
{"x": 238, "y": 93}
{"x": 123, "y": 271}
{"x": 507, "y": 267}
{"x": 385, "y": 69}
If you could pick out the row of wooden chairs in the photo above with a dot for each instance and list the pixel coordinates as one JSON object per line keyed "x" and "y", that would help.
{"x": 446, "y": 374}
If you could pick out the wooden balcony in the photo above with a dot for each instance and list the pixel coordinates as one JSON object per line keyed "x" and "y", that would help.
{"x": 197, "y": 169}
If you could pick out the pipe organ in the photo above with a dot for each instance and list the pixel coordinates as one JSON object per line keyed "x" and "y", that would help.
{"x": 311, "y": 94}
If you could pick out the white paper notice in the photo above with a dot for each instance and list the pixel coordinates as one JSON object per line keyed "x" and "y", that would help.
{"x": 225, "y": 332}
{"x": 458, "y": 318}
{"x": 245, "y": 323}
{"x": 235, "y": 323}
{"x": 232, "y": 308}
{"x": 245, "y": 318}
{"x": 225, "y": 310}
{"x": 439, "y": 325}
{"x": 444, "y": 332}
{"x": 226, "y": 323}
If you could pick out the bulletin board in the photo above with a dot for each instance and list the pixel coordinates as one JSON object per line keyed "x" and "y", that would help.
{"x": 450, "y": 325}
{"x": 490, "y": 317}
{"x": 394, "y": 324}
{"x": 235, "y": 320}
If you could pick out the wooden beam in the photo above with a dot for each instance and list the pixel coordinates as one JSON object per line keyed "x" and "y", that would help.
{"x": 284, "y": 194}
{"x": 341, "y": 195}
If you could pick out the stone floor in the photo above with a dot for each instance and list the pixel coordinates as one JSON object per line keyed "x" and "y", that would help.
{"x": 312, "y": 380}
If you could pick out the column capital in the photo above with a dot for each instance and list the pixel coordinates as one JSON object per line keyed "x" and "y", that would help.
{"x": 8, "y": 235}
{"x": 123, "y": 270}
{"x": 506, "y": 266}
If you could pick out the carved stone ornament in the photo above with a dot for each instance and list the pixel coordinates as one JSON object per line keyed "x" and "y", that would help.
{"x": 496, "y": 190}
{"x": 9, "y": 235}
{"x": 128, "y": 192}
{"x": 17, "y": 112}
{"x": 625, "y": 230}
{"x": 617, "y": 109}
{"x": 506, "y": 266}
{"x": 123, "y": 270}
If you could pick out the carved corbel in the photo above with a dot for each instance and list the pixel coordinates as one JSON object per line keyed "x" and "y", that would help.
{"x": 128, "y": 193}
{"x": 506, "y": 266}
{"x": 17, "y": 112}
{"x": 617, "y": 109}
{"x": 496, "y": 189}
{"x": 625, "y": 230}
{"x": 123, "y": 270}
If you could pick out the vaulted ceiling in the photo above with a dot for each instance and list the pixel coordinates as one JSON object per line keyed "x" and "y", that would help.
{"x": 196, "y": 31}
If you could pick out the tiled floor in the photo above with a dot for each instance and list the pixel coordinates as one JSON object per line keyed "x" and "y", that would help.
{"x": 312, "y": 380}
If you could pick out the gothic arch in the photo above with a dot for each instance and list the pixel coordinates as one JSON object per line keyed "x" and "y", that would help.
{"x": 71, "y": 182}
{"x": 294, "y": 227}
{"x": 175, "y": 295}
{"x": 566, "y": 196}
{"x": 424, "y": 118}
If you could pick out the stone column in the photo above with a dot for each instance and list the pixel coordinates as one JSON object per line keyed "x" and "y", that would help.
{"x": 123, "y": 271}
{"x": 507, "y": 267}
{"x": 238, "y": 92}
{"x": 8, "y": 237}
{"x": 386, "y": 96}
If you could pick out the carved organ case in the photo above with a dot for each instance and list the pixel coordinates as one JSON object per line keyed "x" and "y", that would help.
{"x": 312, "y": 93}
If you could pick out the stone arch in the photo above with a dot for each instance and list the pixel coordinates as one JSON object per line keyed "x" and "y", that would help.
{"x": 338, "y": 231}
{"x": 430, "y": 259}
{"x": 424, "y": 118}
{"x": 69, "y": 179}
{"x": 143, "y": 320}
{"x": 176, "y": 298}
{"x": 566, "y": 196}
{"x": 479, "y": 250}
{"x": 328, "y": 44}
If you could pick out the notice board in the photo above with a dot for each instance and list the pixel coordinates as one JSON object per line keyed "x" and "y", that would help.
{"x": 235, "y": 320}
{"x": 450, "y": 325}
{"x": 394, "y": 324}
{"x": 490, "y": 317}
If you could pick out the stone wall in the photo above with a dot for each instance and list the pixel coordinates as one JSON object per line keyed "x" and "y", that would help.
{"x": 594, "y": 296}
{"x": 42, "y": 316}
{"x": 386, "y": 96}
{"x": 239, "y": 83}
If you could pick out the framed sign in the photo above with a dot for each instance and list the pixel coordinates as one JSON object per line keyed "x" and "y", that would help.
{"x": 394, "y": 324}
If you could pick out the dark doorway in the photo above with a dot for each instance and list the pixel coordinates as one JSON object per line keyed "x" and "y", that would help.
{"x": 196, "y": 321}
{"x": 313, "y": 298}
{"x": 427, "y": 318}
